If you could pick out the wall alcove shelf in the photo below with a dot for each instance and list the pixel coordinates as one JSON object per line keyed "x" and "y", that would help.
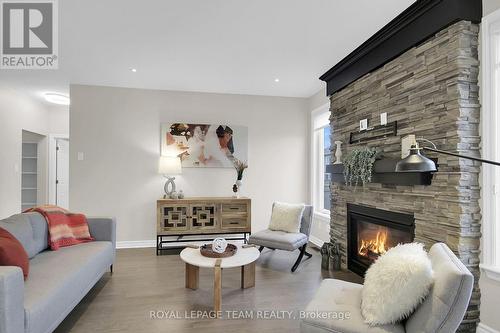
{"x": 384, "y": 173}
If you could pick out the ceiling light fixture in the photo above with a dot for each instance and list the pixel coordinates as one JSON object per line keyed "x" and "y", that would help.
{"x": 56, "y": 98}
{"x": 133, "y": 70}
{"x": 276, "y": 80}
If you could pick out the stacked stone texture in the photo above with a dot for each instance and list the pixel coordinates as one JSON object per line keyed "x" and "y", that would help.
{"x": 431, "y": 91}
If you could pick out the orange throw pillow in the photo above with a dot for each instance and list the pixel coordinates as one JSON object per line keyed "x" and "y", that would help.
{"x": 12, "y": 253}
{"x": 65, "y": 228}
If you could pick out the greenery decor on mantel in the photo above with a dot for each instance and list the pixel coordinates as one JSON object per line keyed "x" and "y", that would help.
{"x": 358, "y": 166}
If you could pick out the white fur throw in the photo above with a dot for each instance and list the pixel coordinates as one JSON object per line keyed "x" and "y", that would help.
{"x": 396, "y": 284}
{"x": 286, "y": 217}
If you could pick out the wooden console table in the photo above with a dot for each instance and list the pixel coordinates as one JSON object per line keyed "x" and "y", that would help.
{"x": 177, "y": 218}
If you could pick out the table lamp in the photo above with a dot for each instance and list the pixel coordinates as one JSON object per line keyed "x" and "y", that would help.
{"x": 169, "y": 166}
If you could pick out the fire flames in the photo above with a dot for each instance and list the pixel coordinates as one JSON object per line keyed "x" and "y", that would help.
{"x": 372, "y": 248}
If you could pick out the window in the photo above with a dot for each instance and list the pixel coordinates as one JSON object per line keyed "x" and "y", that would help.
{"x": 490, "y": 115}
{"x": 322, "y": 156}
{"x": 327, "y": 159}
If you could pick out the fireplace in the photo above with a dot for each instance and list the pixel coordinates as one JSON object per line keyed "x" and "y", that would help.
{"x": 371, "y": 232}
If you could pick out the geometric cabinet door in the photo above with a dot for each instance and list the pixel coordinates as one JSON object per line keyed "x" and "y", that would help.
{"x": 174, "y": 217}
{"x": 203, "y": 216}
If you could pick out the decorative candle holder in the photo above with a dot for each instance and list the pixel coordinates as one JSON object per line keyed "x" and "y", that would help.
{"x": 338, "y": 152}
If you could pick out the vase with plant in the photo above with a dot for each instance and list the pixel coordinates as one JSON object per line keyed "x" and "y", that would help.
{"x": 358, "y": 166}
{"x": 240, "y": 167}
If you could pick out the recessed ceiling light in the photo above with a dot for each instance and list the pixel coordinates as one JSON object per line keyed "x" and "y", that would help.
{"x": 276, "y": 80}
{"x": 133, "y": 70}
{"x": 56, "y": 98}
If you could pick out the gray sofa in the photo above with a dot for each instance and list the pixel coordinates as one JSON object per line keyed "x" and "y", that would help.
{"x": 441, "y": 312}
{"x": 57, "y": 281}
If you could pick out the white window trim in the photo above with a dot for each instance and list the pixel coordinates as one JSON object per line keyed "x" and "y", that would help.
{"x": 490, "y": 174}
{"x": 321, "y": 215}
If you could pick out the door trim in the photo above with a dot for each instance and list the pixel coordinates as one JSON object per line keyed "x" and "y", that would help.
{"x": 53, "y": 165}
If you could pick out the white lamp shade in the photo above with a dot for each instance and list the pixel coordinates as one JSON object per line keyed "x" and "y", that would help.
{"x": 170, "y": 165}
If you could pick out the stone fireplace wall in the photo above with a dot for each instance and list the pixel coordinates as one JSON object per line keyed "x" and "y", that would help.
{"x": 431, "y": 91}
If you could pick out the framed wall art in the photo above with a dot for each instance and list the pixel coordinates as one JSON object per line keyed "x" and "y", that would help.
{"x": 204, "y": 145}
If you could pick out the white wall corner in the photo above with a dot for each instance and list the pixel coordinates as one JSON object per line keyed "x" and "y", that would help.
{"x": 482, "y": 328}
{"x": 316, "y": 241}
{"x": 491, "y": 272}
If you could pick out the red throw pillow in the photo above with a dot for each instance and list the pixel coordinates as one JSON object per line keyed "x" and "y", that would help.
{"x": 12, "y": 253}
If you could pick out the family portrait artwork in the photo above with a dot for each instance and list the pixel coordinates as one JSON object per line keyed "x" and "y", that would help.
{"x": 202, "y": 145}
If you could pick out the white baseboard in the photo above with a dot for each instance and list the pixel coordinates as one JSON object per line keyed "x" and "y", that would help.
{"x": 482, "y": 328}
{"x": 135, "y": 244}
{"x": 316, "y": 241}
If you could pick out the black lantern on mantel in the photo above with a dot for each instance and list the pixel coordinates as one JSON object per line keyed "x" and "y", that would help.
{"x": 416, "y": 162}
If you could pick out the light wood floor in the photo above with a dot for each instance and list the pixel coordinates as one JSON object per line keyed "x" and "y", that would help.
{"x": 143, "y": 282}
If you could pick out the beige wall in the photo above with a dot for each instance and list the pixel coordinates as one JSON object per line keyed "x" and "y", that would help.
{"x": 17, "y": 112}
{"x": 490, "y": 294}
{"x": 118, "y": 130}
{"x": 58, "y": 117}
{"x": 489, "y": 6}
{"x": 318, "y": 99}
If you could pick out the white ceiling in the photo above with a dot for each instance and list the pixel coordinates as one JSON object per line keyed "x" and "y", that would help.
{"x": 224, "y": 46}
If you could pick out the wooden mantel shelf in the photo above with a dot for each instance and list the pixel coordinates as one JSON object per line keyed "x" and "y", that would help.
{"x": 384, "y": 173}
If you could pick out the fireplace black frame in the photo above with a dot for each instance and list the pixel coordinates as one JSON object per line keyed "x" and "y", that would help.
{"x": 399, "y": 221}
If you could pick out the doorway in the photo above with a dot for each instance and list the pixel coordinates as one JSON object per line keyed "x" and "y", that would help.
{"x": 59, "y": 170}
{"x": 62, "y": 173}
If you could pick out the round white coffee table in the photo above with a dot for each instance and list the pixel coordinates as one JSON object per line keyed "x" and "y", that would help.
{"x": 244, "y": 258}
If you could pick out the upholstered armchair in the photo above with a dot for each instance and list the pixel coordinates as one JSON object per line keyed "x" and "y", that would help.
{"x": 287, "y": 241}
{"x": 442, "y": 310}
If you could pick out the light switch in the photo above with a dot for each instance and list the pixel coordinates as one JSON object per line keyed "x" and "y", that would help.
{"x": 16, "y": 167}
{"x": 406, "y": 144}
{"x": 80, "y": 156}
{"x": 383, "y": 118}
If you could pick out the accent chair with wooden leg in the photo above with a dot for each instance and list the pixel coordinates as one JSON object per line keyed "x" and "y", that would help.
{"x": 287, "y": 241}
